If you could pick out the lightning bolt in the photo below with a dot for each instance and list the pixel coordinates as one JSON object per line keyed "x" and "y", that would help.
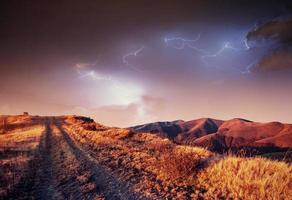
{"x": 226, "y": 46}
{"x": 83, "y": 72}
{"x": 180, "y": 43}
{"x": 131, "y": 54}
{"x": 246, "y": 44}
{"x": 248, "y": 68}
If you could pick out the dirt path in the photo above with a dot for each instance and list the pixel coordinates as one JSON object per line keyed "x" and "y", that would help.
{"x": 62, "y": 170}
{"x": 110, "y": 187}
{"x": 44, "y": 175}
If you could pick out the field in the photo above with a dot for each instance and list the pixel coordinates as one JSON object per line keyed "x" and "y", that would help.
{"x": 19, "y": 140}
{"x": 75, "y": 158}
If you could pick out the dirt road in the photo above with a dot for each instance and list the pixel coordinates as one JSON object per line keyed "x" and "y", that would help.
{"x": 63, "y": 170}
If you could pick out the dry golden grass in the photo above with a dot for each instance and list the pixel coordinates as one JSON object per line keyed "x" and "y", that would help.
{"x": 18, "y": 123}
{"x": 181, "y": 162}
{"x": 12, "y": 170}
{"x": 133, "y": 157}
{"x": 160, "y": 169}
{"x": 25, "y": 139}
{"x": 248, "y": 178}
{"x": 16, "y": 149}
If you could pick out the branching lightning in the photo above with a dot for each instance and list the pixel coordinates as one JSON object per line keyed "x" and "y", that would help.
{"x": 131, "y": 54}
{"x": 226, "y": 46}
{"x": 180, "y": 43}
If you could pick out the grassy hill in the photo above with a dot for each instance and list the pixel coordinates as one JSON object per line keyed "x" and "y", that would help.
{"x": 74, "y": 157}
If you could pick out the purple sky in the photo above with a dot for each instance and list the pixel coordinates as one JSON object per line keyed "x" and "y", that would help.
{"x": 130, "y": 62}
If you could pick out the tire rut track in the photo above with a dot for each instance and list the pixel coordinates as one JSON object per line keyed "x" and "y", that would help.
{"x": 72, "y": 180}
{"x": 44, "y": 182}
{"x": 67, "y": 170}
{"x": 111, "y": 188}
{"x": 61, "y": 169}
{"x": 38, "y": 183}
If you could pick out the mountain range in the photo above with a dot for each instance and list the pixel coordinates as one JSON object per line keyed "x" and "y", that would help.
{"x": 221, "y": 136}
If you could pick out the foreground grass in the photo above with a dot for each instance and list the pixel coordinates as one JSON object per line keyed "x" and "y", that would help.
{"x": 152, "y": 166}
{"x": 23, "y": 139}
{"x": 16, "y": 150}
{"x": 247, "y": 178}
{"x": 160, "y": 169}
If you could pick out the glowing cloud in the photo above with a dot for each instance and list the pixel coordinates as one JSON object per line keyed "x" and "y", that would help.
{"x": 84, "y": 72}
{"x": 124, "y": 93}
{"x": 117, "y": 92}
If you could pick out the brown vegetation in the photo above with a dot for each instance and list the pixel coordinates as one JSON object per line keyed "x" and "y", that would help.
{"x": 162, "y": 169}
{"x": 16, "y": 151}
{"x": 77, "y": 158}
{"x": 247, "y": 178}
{"x": 179, "y": 163}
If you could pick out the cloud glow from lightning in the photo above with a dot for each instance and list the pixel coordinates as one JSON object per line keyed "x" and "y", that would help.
{"x": 84, "y": 72}
{"x": 119, "y": 93}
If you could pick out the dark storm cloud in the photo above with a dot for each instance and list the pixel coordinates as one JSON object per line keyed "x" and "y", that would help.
{"x": 278, "y": 34}
{"x": 279, "y": 30}
{"x": 278, "y": 61}
{"x": 44, "y": 33}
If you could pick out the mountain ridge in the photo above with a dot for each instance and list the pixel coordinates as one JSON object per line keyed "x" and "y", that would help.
{"x": 223, "y": 135}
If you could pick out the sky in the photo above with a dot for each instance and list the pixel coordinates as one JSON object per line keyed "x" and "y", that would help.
{"x": 130, "y": 62}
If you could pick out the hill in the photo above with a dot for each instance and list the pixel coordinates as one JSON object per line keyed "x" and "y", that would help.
{"x": 221, "y": 136}
{"x": 72, "y": 157}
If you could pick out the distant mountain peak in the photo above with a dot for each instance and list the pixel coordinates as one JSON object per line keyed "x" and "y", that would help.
{"x": 220, "y": 135}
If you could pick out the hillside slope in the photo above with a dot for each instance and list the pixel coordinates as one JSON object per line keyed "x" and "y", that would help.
{"x": 220, "y": 136}
{"x": 71, "y": 157}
